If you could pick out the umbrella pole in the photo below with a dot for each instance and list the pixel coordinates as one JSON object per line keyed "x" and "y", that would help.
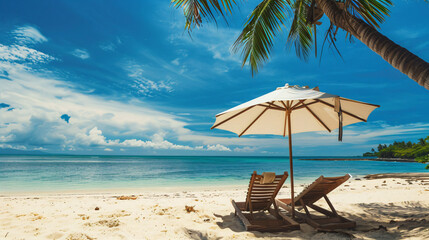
{"x": 291, "y": 164}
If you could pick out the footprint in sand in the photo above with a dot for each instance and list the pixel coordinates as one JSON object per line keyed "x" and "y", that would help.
{"x": 79, "y": 236}
{"x": 108, "y": 223}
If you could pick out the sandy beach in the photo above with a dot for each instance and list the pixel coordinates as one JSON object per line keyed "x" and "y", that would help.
{"x": 388, "y": 208}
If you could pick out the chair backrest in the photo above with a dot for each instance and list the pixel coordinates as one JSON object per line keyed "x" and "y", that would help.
{"x": 319, "y": 188}
{"x": 261, "y": 196}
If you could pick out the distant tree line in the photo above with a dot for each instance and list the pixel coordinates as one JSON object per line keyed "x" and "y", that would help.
{"x": 418, "y": 151}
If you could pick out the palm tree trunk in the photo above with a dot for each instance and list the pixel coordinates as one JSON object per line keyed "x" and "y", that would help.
{"x": 397, "y": 56}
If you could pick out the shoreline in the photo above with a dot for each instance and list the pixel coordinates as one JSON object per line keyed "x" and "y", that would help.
{"x": 413, "y": 176}
{"x": 190, "y": 188}
{"x": 122, "y": 191}
{"x": 362, "y": 159}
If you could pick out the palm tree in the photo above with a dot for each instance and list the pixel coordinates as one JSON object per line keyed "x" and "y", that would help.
{"x": 359, "y": 18}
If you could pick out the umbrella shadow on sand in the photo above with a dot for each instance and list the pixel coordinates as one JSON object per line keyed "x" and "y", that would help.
{"x": 230, "y": 221}
{"x": 374, "y": 221}
{"x": 233, "y": 223}
{"x": 391, "y": 220}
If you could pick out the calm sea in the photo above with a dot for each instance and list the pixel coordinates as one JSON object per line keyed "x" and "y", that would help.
{"x": 54, "y": 173}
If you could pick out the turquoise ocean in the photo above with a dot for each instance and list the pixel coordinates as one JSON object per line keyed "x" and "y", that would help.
{"x": 68, "y": 173}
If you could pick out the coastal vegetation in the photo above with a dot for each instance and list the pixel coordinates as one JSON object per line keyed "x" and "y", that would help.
{"x": 418, "y": 150}
{"x": 358, "y": 18}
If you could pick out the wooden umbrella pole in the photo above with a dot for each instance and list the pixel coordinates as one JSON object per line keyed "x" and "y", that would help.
{"x": 291, "y": 164}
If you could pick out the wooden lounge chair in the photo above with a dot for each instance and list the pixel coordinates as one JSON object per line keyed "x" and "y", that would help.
{"x": 317, "y": 190}
{"x": 260, "y": 197}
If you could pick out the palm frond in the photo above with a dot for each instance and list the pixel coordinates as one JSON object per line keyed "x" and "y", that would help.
{"x": 372, "y": 12}
{"x": 256, "y": 39}
{"x": 301, "y": 31}
{"x": 196, "y": 11}
{"x": 330, "y": 36}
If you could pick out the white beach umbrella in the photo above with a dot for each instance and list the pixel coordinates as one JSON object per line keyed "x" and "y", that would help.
{"x": 293, "y": 109}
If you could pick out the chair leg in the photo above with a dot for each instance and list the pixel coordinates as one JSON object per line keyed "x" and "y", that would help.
{"x": 275, "y": 206}
{"x": 330, "y": 205}
{"x": 305, "y": 208}
{"x": 275, "y": 211}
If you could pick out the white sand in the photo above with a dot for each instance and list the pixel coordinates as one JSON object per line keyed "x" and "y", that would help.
{"x": 162, "y": 215}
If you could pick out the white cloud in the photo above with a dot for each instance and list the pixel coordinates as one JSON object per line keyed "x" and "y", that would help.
{"x": 16, "y": 53}
{"x": 28, "y": 35}
{"x": 142, "y": 84}
{"x": 157, "y": 141}
{"x": 96, "y": 137}
{"x": 218, "y": 147}
{"x": 108, "y": 150}
{"x": 145, "y": 86}
{"x": 39, "y": 100}
{"x": 155, "y": 144}
{"x": 16, "y": 147}
{"x": 39, "y": 148}
{"x": 80, "y": 53}
{"x": 245, "y": 149}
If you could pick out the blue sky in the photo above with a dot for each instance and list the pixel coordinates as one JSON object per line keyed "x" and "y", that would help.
{"x": 123, "y": 77}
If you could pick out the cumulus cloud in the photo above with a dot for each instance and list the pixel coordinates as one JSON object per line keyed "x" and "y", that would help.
{"x": 39, "y": 101}
{"x": 38, "y": 119}
{"x": 218, "y": 147}
{"x": 28, "y": 35}
{"x": 80, "y": 53}
{"x": 95, "y": 138}
{"x": 157, "y": 142}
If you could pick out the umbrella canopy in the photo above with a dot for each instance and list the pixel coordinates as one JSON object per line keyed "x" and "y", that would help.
{"x": 312, "y": 111}
{"x": 293, "y": 109}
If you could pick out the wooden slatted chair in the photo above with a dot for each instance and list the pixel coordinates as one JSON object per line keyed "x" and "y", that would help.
{"x": 317, "y": 190}
{"x": 260, "y": 197}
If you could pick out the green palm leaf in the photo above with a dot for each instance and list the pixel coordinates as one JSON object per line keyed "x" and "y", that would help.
{"x": 372, "y": 12}
{"x": 197, "y": 10}
{"x": 256, "y": 39}
{"x": 301, "y": 31}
